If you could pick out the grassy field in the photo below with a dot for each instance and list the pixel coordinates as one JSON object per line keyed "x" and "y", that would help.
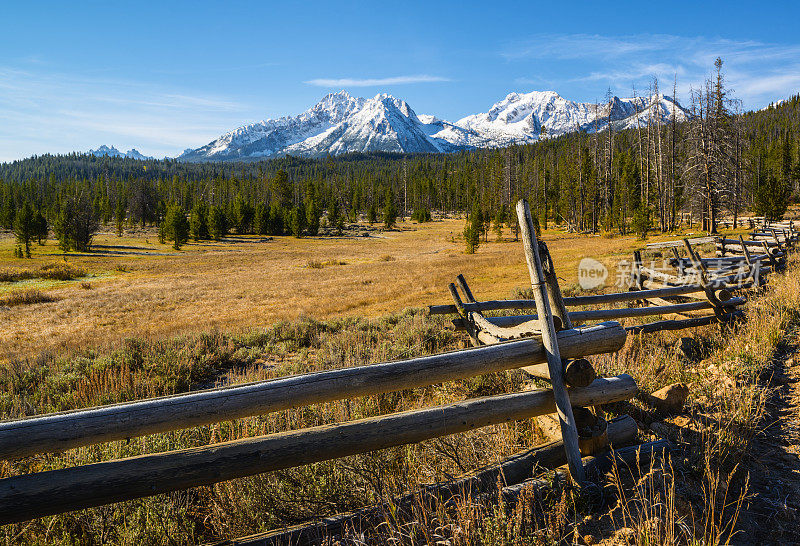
{"x": 136, "y": 319}
{"x": 136, "y": 287}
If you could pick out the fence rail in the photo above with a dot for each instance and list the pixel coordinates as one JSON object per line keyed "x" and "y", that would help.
{"x": 45, "y": 493}
{"x": 552, "y": 348}
{"x": 60, "y": 431}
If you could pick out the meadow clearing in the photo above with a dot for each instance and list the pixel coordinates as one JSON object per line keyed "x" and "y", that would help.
{"x": 142, "y": 320}
{"x": 136, "y": 287}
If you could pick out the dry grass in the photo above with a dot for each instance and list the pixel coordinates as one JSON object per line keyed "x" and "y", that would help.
{"x": 55, "y": 271}
{"x": 248, "y": 282}
{"x": 233, "y": 286}
{"x": 212, "y": 279}
{"x": 25, "y": 297}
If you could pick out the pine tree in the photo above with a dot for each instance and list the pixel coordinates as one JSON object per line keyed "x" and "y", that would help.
{"x": 198, "y": 221}
{"x": 242, "y": 215}
{"x": 217, "y": 223}
{"x": 297, "y": 221}
{"x": 40, "y": 228}
{"x": 175, "y": 226}
{"x": 334, "y": 211}
{"x": 472, "y": 230}
{"x": 24, "y": 227}
{"x": 76, "y": 223}
{"x": 119, "y": 216}
{"x": 771, "y": 197}
{"x": 499, "y": 217}
{"x": 261, "y": 223}
{"x": 313, "y": 213}
{"x": 282, "y": 191}
{"x": 8, "y": 210}
{"x": 389, "y": 210}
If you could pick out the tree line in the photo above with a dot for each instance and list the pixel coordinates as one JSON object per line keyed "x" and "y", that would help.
{"x": 655, "y": 175}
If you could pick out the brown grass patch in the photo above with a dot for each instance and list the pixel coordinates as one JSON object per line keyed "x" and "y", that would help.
{"x": 56, "y": 271}
{"x": 253, "y": 283}
{"x": 25, "y": 297}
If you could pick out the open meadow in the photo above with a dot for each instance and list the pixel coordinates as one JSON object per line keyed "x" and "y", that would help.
{"x": 136, "y": 319}
{"x": 136, "y": 287}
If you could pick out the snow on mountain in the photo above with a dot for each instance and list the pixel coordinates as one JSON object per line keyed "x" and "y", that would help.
{"x": 133, "y": 153}
{"x": 522, "y": 118}
{"x": 105, "y": 150}
{"x": 340, "y": 123}
{"x": 111, "y": 151}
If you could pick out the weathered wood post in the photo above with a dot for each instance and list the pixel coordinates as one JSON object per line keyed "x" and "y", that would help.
{"x": 746, "y": 251}
{"x": 473, "y": 335}
{"x": 462, "y": 283}
{"x": 772, "y": 261}
{"x": 569, "y": 430}
{"x": 698, "y": 264}
{"x": 637, "y": 269}
{"x": 553, "y": 289}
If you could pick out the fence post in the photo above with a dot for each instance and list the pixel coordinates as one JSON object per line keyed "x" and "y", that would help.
{"x": 569, "y": 430}
{"x": 553, "y": 289}
{"x": 745, "y": 250}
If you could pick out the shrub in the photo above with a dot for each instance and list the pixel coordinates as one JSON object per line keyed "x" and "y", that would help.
{"x": 421, "y": 215}
{"x": 61, "y": 272}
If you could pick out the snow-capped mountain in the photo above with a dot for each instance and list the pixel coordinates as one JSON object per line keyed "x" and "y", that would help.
{"x": 526, "y": 117}
{"x": 340, "y": 123}
{"x": 111, "y": 151}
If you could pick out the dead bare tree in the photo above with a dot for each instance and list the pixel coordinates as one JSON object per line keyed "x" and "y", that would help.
{"x": 711, "y": 142}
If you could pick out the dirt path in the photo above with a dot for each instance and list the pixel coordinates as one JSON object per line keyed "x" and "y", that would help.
{"x": 772, "y": 515}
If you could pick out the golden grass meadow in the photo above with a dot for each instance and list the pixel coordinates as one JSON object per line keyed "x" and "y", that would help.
{"x": 136, "y": 319}
{"x": 138, "y": 287}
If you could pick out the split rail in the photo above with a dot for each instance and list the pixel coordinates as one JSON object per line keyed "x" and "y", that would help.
{"x": 551, "y": 343}
{"x": 40, "y": 494}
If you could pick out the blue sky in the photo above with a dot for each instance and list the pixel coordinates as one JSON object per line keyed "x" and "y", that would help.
{"x": 164, "y": 76}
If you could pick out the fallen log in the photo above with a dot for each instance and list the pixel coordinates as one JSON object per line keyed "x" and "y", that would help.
{"x": 596, "y": 466}
{"x": 56, "y": 491}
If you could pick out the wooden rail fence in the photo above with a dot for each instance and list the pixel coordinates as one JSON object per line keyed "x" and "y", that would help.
{"x": 546, "y": 345}
{"x": 556, "y": 352}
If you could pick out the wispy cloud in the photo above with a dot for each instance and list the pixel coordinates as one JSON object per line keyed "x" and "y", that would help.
{"x": 43, "y": 111}
{"x": 758, "y": 72}
{"x": 375, "y": 82}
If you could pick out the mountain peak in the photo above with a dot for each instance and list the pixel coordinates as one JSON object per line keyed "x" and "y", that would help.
{"x": 105, "y": 150}
{"x": 340, "y": 123}
{"x": 111, "y": 151}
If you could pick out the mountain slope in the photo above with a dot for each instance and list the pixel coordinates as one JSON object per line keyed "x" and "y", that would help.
{"x": 340, "y": 124}
{"x": 111, "y": 151}
{"x": 525, "y": 117}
